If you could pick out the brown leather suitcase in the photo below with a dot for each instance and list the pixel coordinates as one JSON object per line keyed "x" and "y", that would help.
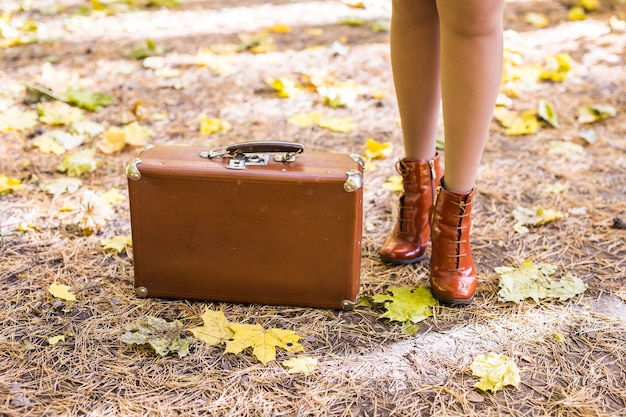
{"x": 258, "y": 222}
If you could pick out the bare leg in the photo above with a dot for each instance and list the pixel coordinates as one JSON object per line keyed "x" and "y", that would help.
{"x": 414, "y": 42}
{"x": 471, "y": 72}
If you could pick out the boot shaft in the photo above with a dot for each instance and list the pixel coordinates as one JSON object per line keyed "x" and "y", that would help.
{"x": 452, "y": 272}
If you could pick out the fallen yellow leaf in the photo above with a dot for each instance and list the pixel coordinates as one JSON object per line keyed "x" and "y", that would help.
{"x": 495, "y": 372}
{"x": 113, "y": 196}
{"x": 215, "y": 329}
{"x": 46, "y": 144}
{"x": 303, "y": 120}
{"x": 9, "y": 184}
{"x": 117, "y": 243}
{"x": 340, "y": 125}
{"x": 300, "y": 365}
{"x": 55, "y": 339}
{"x": 377, "y": 150}
{"x": 263, "y": 342}
{"x": 285, "y": 87}
{"x": 209, "y": 126}
{"x": 61, "y": 291}
{"x": 278, "y": 28}
{"x": 78, "y": 163}
{"x": 394, "y": 183}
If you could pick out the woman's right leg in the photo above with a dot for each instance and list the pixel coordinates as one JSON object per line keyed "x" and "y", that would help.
{"x": 415, "y": 65}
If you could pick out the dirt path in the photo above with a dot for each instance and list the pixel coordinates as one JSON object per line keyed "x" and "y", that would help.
{"x": 571, "y": 354}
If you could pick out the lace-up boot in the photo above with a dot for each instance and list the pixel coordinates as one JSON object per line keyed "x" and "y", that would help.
{"x": 409, "y": 239}
{"x": 453, "y": 275}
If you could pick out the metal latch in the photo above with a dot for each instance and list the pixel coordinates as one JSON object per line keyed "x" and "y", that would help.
{"x": 252, "y": 153}
{"x": 239, "y": 161}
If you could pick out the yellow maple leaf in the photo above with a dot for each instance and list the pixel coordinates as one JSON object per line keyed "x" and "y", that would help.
{"x": 577, "y": 13}
{"x": 61, "y": 185}
{"x": 533, "y": 217}
{"x": 47, "y": 144}
{"x": 301, "y": 365}
{"x": 55, "y": 339}
{"x": 595, "y": 112}
{"x": 9, "y": 184}
{"x": 280, "y": 28}
{"x": 28, "y": 227}
{"x": 285, "y": 87}
{"x": 538, "y": 20}
{"x": 135, "y": 134}
{"x": 59, "y": 113}
{"x": 14, "y": 119}
{"x": 536, "y": 281}
{"x": 505, "y": 116}
{"x": 78, "y": 163}
{"x": 557, "y": 67}
{"x": 589, "y": 5}
{"x": 338, "y": 96}
{"x": 117, "y": 243}
{"x": 495, "y": 372}
{"x": 548, "y": 215}
{"x": 526, "y": 124}
{"x": 210, "y": 125}
{"x": 354, "y": 4}
{"x": 263, "y": 342}
{"x": 113, "y": 196}
{"x": 61, "y": 291}
{"x": 215, "y": 329}
{"x": 377, "y": 150}
{"x": 115, "y": 138}
{"x": 340, "y": 125}
{"x": 288, "y": 340}
{"x": 112, "y": 140}
{"x": 394, "y": 183}
{"x": 303, "y": 120}
{"x": 406, "y": 304}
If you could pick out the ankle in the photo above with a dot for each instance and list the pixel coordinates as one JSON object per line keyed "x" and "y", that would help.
{"x": 461, "y": 192}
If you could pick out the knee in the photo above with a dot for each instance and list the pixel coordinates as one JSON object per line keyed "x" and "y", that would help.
{"x": 416, "y": 12}
{"x": 478, "y": 22}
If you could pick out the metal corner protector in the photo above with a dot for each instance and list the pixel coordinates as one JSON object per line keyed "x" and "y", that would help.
{"x": 354, "y": 181}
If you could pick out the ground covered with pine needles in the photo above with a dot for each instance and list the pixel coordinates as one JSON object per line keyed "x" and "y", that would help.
{"x": 571, "y": 354}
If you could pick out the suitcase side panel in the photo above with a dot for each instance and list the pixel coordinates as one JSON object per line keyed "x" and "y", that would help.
{"x": 281, "y": 240}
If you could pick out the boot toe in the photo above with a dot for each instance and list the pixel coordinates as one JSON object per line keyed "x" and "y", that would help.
{"x": 454, "y": 290}
{"x": 401, "y": 253}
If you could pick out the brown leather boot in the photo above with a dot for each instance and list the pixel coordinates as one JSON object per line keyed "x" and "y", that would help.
{"x": 408, "y": 241}
{"x": 452, "y": 272}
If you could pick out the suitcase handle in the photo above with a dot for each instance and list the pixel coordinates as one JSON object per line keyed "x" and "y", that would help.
{"x": 288, "y": 148}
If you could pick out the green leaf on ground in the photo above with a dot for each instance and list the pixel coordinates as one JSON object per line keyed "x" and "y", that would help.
{"x": 88, "y": 100}
{"x": 536, "y": 281}
{"x": 547, "y": 113}
{"x": 162, "y": 336}
{"x": 406, "y": 304}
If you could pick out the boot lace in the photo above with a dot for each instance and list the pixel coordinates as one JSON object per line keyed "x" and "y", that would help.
{"x": 404, "y": 170}
{"x": 460, "y": 227}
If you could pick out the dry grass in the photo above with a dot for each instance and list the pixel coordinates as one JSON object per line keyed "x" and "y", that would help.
{"x": 366, "y": 367}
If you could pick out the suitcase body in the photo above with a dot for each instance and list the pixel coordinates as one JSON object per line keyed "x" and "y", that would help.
{"x": 253, "y": 223}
